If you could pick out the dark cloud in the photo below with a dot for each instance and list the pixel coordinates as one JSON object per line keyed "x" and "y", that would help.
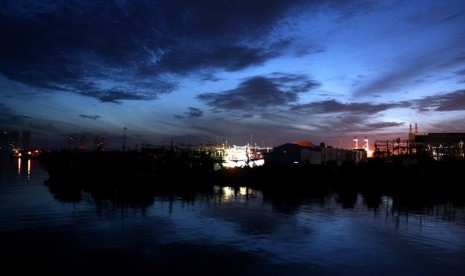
{"x": 461, "y": 72}
{"x": 382, "y": 125}
{"x": 231, "y": 58}
{"x": 137, "y": 90}
{"x": 258, "y": 93}
{"x": 81, "y": 46}
{"x": 293, "y": 83}
{"x": 116, "y": 51}
{"x": 445, "y": 102}
{"x": 333, "y": 106}
{"x": 66, "y": 46}
{"x": 92, "y": 117}
{"x": 194, "y": 112}
{"x": 117, "y": 96}
{"x": 209, "y": 77}
{"x": 252, "y": 94}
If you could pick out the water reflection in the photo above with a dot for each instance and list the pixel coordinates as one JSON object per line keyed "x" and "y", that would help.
{"x": 144, "y": 195}
{"x": 20, "y": 162}
{"x": 28, "y": 168}
{"x": 236, "y": 194}
{"x": 234, "y": 198}
{"x": 347, "y": 198}
{"x": 142, "y": 228}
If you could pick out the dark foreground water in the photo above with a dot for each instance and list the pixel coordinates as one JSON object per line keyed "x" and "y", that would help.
{"x": 224, "y": 231}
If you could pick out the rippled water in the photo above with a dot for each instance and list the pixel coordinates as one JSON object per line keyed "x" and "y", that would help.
{"x": 223, "y": 231}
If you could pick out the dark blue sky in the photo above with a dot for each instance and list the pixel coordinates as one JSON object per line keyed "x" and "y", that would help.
{"x": 200, "y": 71}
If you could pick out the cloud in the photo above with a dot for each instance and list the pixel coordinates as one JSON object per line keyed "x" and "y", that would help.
{"x": 382, "y": 125}
{"x": 360, "y": 125}
{"x": 394, "y": 79}
{"x": 411, "y": 67}
{"x": 461, "y": 72}
{"x": 446, "y": 102}
{"x": 42, "y": 132}
{"x": 192, "y": 112}
{"x": 352, "y": 8}
{"x": 242, "y": 130}
{"x": 448, "y": 125}
{"x": 209, "y": 77}
{"x": 84, "y": 46}
{"x": 359, "y": 79}
{"x": 259, "y": 92}
{"x": 333, "y": 106}
{"x": 293, "y": 83}
{"x": 66, "y": 46}
{"x": 114, "y": 96}
{"x": 11, "y": 120}
{"x": 92, "y": 117}
{"x": 433, "y": 16}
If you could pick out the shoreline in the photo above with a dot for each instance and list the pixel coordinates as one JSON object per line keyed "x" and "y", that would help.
{"x": 131, "y": 171}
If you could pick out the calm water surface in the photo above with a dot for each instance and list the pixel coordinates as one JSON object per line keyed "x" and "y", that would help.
{"x": 227, "y": 231}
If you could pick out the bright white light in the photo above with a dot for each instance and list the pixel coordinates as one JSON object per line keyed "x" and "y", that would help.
{"x": 241, "y": 156}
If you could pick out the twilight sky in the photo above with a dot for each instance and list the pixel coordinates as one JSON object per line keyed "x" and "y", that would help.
{"x": 215, "y": 71}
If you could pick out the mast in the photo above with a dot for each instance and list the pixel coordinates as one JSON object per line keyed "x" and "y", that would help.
{"x": 124, "y": 139}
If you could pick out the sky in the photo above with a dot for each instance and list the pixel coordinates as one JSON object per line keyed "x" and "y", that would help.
{"x": 234, "y": 72}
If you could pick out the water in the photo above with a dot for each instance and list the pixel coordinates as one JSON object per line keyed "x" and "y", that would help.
{"x": 224, "y": 231}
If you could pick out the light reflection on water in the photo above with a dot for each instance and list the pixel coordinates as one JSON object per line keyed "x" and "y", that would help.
{"x": 227, "y": 230}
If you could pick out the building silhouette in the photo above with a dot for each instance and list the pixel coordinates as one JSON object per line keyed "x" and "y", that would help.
{"x": 305, "y": 152}
{"x": 83, "y": 143}
{"x": 100, "y": 143}
{"x": 72, "y": 142}
{"x": 9, "y": 140}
